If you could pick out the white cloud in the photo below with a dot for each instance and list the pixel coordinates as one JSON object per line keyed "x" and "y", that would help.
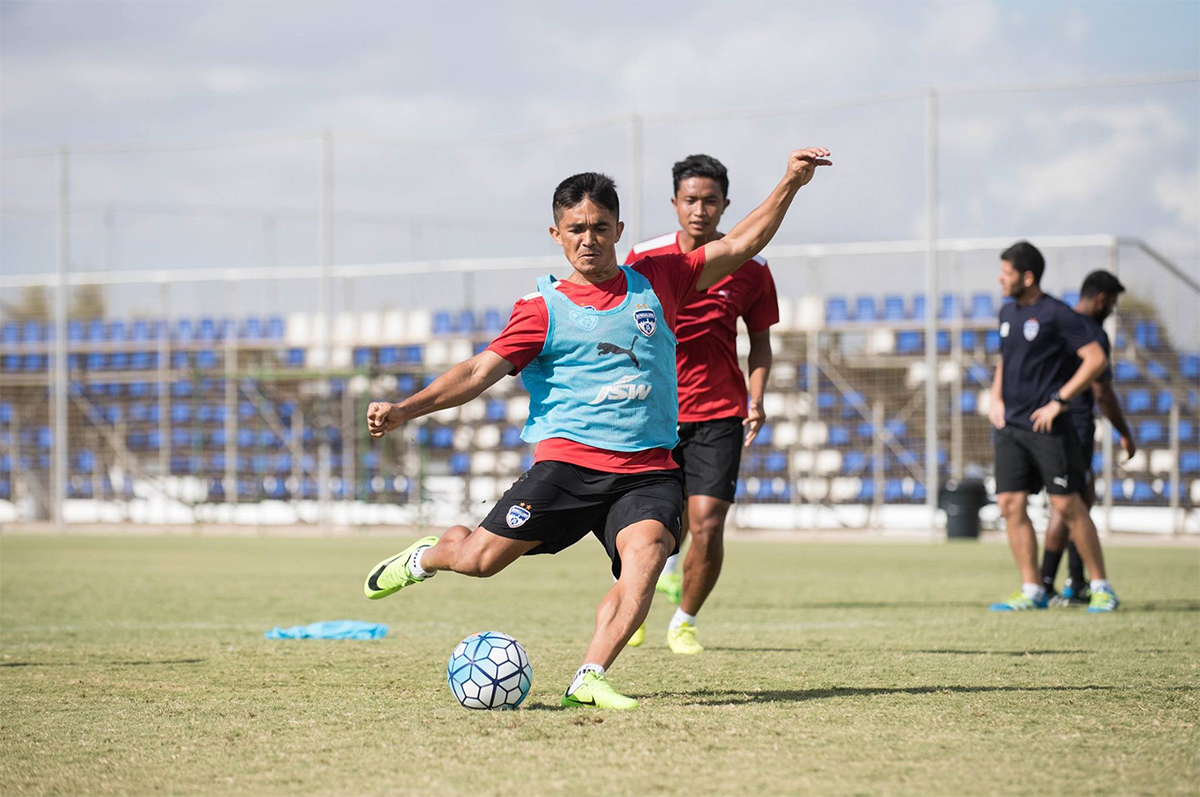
{"x": 960, "y": 28}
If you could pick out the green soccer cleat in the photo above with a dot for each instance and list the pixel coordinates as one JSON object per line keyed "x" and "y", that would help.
{"x": 392, "y": 575}
{"x": 596, "y": 693}
{"x": 683, "y": 640}
{"x": 1019, "y": 602}
{"x": 1103, "y": 600}
{"x": 671, "y": 585}
{"x": 639, "y": 636}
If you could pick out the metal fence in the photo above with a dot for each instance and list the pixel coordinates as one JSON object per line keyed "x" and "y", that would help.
{"x": 252, "y": 411}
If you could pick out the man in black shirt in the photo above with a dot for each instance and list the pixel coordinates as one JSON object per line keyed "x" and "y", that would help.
{"x": 1036, "y": 445}
{"x": 1097, "y": 300}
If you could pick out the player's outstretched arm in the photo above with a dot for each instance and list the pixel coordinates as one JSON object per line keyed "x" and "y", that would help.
{"x": 749, "y": 236}
{"x": 457, "y": 386}
{"x": 1093, "y": 364}
{"x": 1110, "y": 406}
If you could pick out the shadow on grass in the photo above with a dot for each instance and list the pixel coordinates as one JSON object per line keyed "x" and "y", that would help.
{"x": 97, "y": 663}
{"x": 759, "y": 650}
{"x": 1160, "y": 606}
{"x": 1017, "y": 653}
{"x": 735, "y": 698}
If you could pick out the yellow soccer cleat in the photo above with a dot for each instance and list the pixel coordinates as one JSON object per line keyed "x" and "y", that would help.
{"x": 392, "y": 574}
{"x": 639, "y": 636}
{"x": 683, "y": 640}
{"x": 595, "y": 692}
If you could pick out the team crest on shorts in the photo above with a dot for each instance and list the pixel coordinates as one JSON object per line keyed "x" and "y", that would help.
{"x": 585, "y": 322}
{"x": 645, "y": 319}
{"x": 517, "y": 515}
{"x": 1031, "y": 328}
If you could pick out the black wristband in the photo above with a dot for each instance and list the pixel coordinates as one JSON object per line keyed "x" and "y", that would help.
{"x": 1058, "y": 397}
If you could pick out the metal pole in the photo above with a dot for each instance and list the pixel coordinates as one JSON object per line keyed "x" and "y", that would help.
{"x": 1176, "y": 515}
{"x": 231, "y": 418}
{"x": 956, "y": 415}
{"x": 636, "y": 157}
{"x": 164, "y": 388}
{"x": 1110, "y": 326}
{"x": 326, "y": 309}
{"x": 877, "y": 455}
{"x": 59, "y": 488}
{"x": 931, "y": 306}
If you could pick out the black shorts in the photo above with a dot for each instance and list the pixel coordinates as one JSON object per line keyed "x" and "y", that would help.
{"x": 1027, "y": 461}
{"x": 709, "y": 454}
{"x": 558, "y": 504}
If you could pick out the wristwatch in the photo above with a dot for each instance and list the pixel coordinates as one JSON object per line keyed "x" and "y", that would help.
{"x": 1058, "y": 397}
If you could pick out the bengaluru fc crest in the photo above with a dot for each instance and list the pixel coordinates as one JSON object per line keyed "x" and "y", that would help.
{"x": 645, "y": 319}
{"x": 1031, "y": 328}
{"x": 517, "y": 515}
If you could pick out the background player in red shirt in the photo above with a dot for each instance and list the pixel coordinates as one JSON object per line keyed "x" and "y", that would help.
{"x": 717, "y": 417}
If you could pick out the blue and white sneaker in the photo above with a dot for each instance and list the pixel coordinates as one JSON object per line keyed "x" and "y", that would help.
{"x": 1020, "y": 602}
{"x": 1103, "y": 600}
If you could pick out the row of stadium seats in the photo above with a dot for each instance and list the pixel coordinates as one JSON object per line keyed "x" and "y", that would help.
{"x": 143, "y": 330}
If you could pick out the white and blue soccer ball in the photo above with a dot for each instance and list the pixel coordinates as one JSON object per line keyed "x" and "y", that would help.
{"x": 489, "y": 670}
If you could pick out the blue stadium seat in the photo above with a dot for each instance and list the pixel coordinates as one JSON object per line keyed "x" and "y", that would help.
{"x": 117, "y": 332}
{"x": 1163, "y": 402}
{"x": 1187, "y": 431}
{"x": 1138, "y": 401}
{"x": 45, "y": 438}
{"x": 268, "y": 439}
{"x": 274, "y": 328}
{"x": 765, "y": 435}
{"x": 283, "y": 463}
{"x": 495, "y": 411}
{"x": 245, "y": 438}
{"x": 836, "y": 310}
{"x": 1150, "y": 432}
{"x": 775, "y": 463}
{"x": 1070, "y": 298}
{"x": 285, "y": 410}
{"x": 371, "y": 460}
{"x": 511, "y": 437}
{"x": 206, "y": 359}
{"x": 442, "y": 323}
{"x": 207, "y": 330}
{"x": 253, "y": 329}
{"x": 864, "y": 430}
{"x": 9, "y": 333}
{"x": 414, "y": 355}
{"x": 943, "y": 341}
{"x": 918, "y": 307}
{"x": 893, "y": 490}
{"x": 951, "y": 306}
{"x": 388, "y": 356}
{"x": 363, "y": 358}
{"x": 1125, "y": 371}
{"x": 1098, "y": 462}
{"x": 295, "y": 358}
{"x": 34, "y": 332}
{"x": 854, "y": 462}
{"x": 826, "y": 401}
{"x": 1189, "y": 462}
{"x": 969, "y": 401}
{"x": 896, "y": 428}
{"x": 839, "y": 436}
{"x": 526, "y": 461}
{"x": 970, "y": 340}
{"x": 908, "y": 342}
{"x": 1155, "y": 370}
{"x": 991, "y": 341}
{"x": 1189, "y": 366}
{"x": 983, "y": 307}
{"x": 442, "y": 437}
{"x": 493, "y": 321}
{"x": 460, "y": 463}
{"x": 1143, "y": 493}
{"x": 979, "y": 374}
{"x": 466, "y": 322}
{"x": 865, "y": 309}
{"x": 1146, "y": 335}
{"x": 216, "y": 438}
{"x": 95, "y": 330}
{"x": 893, "y": 308}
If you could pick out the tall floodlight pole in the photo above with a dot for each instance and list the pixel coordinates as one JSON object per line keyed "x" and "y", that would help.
{"x": 59, "y": 488}
{"x": 636, "y": 158}
{"x": 325, "y": 294}
{"x": 931, "y": 306}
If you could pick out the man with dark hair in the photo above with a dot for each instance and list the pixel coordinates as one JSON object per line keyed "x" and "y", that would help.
{"x": 1097, "y": 300}
{"x": 604, "y": 424}
{"x": 717, "y": 417}
{"x": 1041, "y": 340}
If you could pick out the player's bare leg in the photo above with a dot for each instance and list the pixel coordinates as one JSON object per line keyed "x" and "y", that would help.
{"x": 1078, "y": 520}
{"x": 1023, "y": 542}
{"x": 478, "y": 553}
{"x": 702, "y": 565}
{"x": 643, "y": 548}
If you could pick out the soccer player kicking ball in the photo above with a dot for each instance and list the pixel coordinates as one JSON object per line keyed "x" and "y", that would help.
{"x": 598, "y": 354}
{"x": 1097, "y": 300}
{"x": 1041, "y": 340}
{"x": 716, "y": 416}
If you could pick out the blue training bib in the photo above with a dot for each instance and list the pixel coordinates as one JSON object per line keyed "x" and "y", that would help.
{"x": 605, "y": 378}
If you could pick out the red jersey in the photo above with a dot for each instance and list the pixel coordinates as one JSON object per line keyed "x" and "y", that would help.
{"x": 673, "y": 278}
{"x": 711, "y": 383}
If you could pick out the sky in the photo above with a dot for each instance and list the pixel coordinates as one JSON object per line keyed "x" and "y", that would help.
{"x": 401, "y": 83}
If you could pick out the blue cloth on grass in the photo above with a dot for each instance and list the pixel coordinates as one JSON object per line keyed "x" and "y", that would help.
{"x": 330, "y": 629}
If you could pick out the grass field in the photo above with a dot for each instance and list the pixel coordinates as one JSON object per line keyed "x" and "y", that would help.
{"x": 136, "y": 665}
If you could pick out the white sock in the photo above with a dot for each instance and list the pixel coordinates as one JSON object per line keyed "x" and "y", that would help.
{"x": 414, "y": 564}
{"x": 1033, "y": 591}
{"x": 1099, "y": 584}
{"x": 672, "y": 565}
{"x": 582, "y": 671}
{"x": 682, "y": 617}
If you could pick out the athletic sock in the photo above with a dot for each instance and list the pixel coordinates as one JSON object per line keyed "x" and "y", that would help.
{"x": 672, "y": 565}
{"x": 1033, "y": 591}
{"x": 1050, "y": 562}
{"x": 414, "y": 564}
{"x": 1075, "y": 565}
{"x": 1100, "y": 584}
{"x": 680, "y": 618}
{"x": 582, "y": 671}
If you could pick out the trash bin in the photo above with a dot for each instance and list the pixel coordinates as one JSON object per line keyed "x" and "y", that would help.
{"x": 962, "y": 501}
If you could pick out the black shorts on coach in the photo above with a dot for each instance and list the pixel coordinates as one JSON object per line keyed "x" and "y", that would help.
{"x": 1027, "y": 461}
{"x": 558, "y": 504}
{"x": 709, "y": 454}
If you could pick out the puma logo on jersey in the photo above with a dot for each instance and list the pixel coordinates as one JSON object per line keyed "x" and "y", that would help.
{"x": 622, "y": 390}
{"x": 612, "y": 348}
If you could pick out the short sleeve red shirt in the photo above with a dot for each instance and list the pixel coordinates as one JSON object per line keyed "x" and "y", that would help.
{"x": 673, "y": 278}
{"x": 711, "y": 383}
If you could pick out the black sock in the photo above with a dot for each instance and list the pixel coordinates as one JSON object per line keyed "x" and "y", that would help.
{"x": 1050, "y": 560}
{"x": 1075, "y": 566}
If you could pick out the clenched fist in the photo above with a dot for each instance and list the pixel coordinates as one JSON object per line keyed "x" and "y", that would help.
{"x": 383, "y": 417}
{"x": 803, "y": 163}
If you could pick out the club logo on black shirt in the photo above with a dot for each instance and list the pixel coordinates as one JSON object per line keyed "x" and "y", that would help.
{"x": 1031, "y": 328}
